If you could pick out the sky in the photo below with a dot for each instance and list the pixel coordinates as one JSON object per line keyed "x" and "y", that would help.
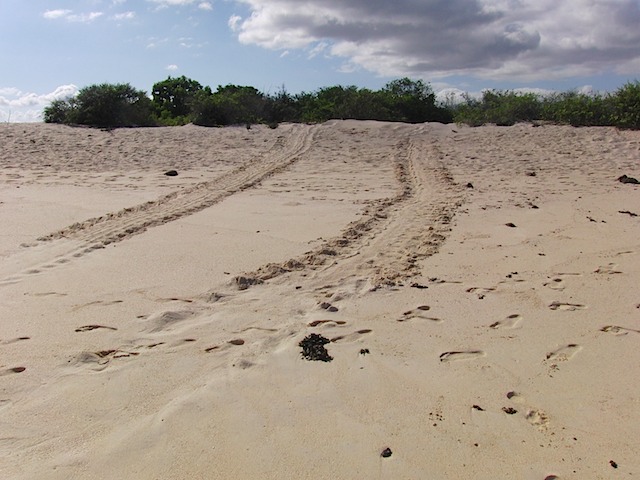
{"x": 49, "y": 49}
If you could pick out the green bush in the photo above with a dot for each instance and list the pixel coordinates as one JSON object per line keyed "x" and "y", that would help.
{"x": 626, "y": 106}
{"x": 58, "y": 111}
{"x": 503, "y": 108}
{"x": 578, "y": 109}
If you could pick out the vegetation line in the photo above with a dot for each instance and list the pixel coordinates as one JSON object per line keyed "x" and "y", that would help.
{"x": 178, "y": 101}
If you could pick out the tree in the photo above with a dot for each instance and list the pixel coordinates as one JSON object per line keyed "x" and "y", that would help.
{"x": 238, "y": 104}
{"x": 173, "y": 99}
{"x": 413, "y": 101}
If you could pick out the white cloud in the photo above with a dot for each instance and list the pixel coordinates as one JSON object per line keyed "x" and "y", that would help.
{"x": 69, "y": 16}
{"x": 498, "y": 39}
{"x": 19, "y": 106}
{"x": 172, "y": 67}
{"x": 318, "y": 49}
{"x": 172, "y": 3}
{"x": 124, "y": 16}
{"x": 234, "y": 22}
{"x": 55, "y": 14}
{"x": 205, "y": 6}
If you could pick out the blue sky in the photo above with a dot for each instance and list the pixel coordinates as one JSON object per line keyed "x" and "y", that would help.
{"x": 49, "y": 49}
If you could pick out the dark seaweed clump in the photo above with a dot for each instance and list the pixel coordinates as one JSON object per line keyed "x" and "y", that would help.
{"x": 313, "y": 348}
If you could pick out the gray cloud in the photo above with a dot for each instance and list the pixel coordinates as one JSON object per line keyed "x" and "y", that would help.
{"x": 523, "y": 39}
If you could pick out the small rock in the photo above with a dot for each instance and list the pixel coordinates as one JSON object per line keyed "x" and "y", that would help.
{"x": 511, "y": 225}
{"x": 509, "y": 410}
{"x": 364, "y": 351}
{"x": 386, "y": 453}
{"x": 171, "y": 173}
{"x": 613, "y": 464}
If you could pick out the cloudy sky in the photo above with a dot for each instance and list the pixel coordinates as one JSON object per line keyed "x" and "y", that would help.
{"x": 50, "y": 48}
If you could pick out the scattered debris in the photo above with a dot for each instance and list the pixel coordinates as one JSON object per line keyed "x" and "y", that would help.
{"x": 418, "y": 285}
{"x": 364, "y": 351}
{"x": 313, "y": 348}
{"x": 626, "y": 179}
{"x": 509, "y": 410}
{"x": 631, "y": 214}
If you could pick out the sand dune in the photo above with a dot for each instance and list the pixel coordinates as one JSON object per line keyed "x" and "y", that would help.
{"x": 476, "y": 290}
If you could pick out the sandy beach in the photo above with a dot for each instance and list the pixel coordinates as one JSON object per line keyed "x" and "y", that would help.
{"x": 477, "y": 289}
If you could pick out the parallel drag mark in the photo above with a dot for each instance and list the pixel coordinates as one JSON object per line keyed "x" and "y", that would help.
{"x": 117, "y": 226}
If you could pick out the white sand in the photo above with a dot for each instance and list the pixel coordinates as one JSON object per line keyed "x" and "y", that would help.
{"x": 130, "y": 347}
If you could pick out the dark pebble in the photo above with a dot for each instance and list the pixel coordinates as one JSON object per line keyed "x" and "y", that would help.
{"x": 386, "y": 453}
{"x": 171, "y": 173}
{"x": 512, "y": 225}
{"x": 509, "y": 410}
{"x": 613, "y": 464}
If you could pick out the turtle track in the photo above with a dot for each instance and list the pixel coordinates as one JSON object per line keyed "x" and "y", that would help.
{"x": 96, "y": 233}
{"x": 394, "y": 234}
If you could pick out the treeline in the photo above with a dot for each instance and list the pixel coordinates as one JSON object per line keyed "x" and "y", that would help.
{"x": 178, "y": 101}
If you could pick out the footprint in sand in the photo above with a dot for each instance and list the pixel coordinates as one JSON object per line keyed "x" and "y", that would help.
{"x": 462, "y": 355}
{"x": 351, "y": 337}
{"x": 14, "y": 340}
{"x": 568, "y": 307}
{"x": 511, "y": 321}
{"x": 555, "y": 283}
{"x": 616, "y": 330}
{"x": 166, "y": 320}
{"x": 480, "y": 292}
{"x": 235, "y": 341}
{"x": 565, "y": 353}
{"x": 538, "y": 418}
{"x": 98, "y": 361}
{"x": 418, "y": 312}
{"x": 9, "y": 371}
{"x": 609, "y": 269}
{"x": 515, "y": 397}
{"x": 316, "y": 323}
{"x": 88, "y": 328}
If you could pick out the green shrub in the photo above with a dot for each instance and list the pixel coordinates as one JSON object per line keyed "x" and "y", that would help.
{"x": 578, "y": 109}
{"x": 58, "y": 111}
{"x": 626, "y": 106}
